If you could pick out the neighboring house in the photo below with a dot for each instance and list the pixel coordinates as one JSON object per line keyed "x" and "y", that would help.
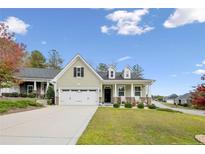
{"x": 79, "y": 84}
{"x": 183, "y": 99}
{"x": 32, "y": 79}
{"x": 170, "y": 98}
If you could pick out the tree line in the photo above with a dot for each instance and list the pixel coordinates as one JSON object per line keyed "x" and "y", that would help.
{"x": 37, "y": 60}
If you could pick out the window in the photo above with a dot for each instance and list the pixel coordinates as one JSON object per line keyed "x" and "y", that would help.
{"x": 78, "y": 72}
{"x": 137, "y": 91}
{"x": 121, "y": 91}
{"x": 111, "y": 74}
{"x": 29, "y": 89}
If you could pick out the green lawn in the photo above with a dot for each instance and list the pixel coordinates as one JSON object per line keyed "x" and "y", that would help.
{"x": 142, "y": 126}
{"x": 13, "y": 105}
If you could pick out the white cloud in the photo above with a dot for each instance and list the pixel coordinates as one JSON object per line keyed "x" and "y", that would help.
{"x": 43, "y": 42}
{"x": 174, "y": 75}
{"x": 124, "y": 58}
{"x": 185, "y": 16}
{"x": 16, "y": 25}
{"x": 199, "y": 65}
{"x": 199, "y": 72}
{"x": 127, "y": 23}
{"x": 203, "y": 62}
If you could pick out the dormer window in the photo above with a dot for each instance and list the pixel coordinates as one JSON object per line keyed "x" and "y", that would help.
{"x": 111, "y": 73}
{"x": 127, "y": 73}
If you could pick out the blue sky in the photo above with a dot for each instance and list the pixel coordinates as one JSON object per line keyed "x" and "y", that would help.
{"x": 167, "y": 43}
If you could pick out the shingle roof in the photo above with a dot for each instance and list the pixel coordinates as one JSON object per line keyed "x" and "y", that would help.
{"x": 185, "y": 96}
{"x": 119, "y": 76}
{"x": 172, "y": 96}
{"x": 47, "y": 73}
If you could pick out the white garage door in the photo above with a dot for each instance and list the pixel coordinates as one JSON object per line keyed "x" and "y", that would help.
{"x": 78, "y": 97}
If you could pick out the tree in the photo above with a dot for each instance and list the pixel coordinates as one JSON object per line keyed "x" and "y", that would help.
{"x": 37, "y": 60}
{"x": 138, "y": 70}
{"x": 55, "y": 61}
{"x": 11, "y": 54}
{"x": 102, "y": 67}
{"x": 198, "y": 96}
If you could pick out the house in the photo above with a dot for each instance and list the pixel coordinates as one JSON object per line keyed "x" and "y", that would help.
{"x": 183, "y": 99}
{"x": 32, "y": 79}
{"x": 170, "y": 98}
{"x": 79, "y": 84}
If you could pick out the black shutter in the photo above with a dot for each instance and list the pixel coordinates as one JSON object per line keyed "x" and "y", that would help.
{"x": 74, "y": 71}
{"x": 82, "y": 72}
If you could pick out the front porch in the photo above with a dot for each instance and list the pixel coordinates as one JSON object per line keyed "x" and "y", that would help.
{"x": 37, "y": 87}
{"x": 125, "y": 92}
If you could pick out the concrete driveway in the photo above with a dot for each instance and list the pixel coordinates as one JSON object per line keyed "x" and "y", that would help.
{"x": 50, "y": 125}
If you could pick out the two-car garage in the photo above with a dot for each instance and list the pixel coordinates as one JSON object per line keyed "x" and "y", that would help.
{"x": 78, "y": 97}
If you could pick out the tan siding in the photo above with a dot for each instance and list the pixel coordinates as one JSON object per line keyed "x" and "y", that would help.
{"x": 88, "y": 81}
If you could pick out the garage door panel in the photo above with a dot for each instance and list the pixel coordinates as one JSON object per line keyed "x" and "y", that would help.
{"x": 78, "y": 97}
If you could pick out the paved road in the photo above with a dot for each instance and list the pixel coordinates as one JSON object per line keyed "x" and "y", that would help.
{"x": 50, "y": 125}
{"x": 196, "y": 112}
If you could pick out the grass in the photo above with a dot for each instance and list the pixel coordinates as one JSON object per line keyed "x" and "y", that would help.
{"x": 7, "y": 105}
{"x": 142, "y": 126}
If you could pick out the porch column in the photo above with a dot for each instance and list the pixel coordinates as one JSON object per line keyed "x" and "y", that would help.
{"x": 47, "y": 85}
{"x": 115, "y": 92}
{"x": 148, "y": 91}
{"x": 35, "y": 88}
{"x": 132, "y": 90}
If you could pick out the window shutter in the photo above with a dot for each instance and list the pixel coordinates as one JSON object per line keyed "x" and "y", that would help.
{"x": 82, "y": 72}
{"x": 74, "y": 71}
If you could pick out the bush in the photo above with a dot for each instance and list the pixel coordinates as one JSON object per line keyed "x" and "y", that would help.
{"x": 50, "y": 102}
{"x": 128, "y": 105}
{"x": 168, "y": 110}
{"x": 185, "y": 105}
{"x": 140, "y": 106}
{"x": 23, "y": 95}
{"x": 50, "y": 93}
{"x": 3, "y": 110}
{"x": 152, "y": 106}
{"x": 31, "y": 95}
{"x": 116, "y": 105}
{"x": 14, "y": 94}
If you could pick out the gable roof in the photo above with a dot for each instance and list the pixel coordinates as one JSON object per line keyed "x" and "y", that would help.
{"x": 45, "y": 73}
{"x": 172, "y": 96}
{"x": 185, "y": 96}
{"x": 72, "y": 62}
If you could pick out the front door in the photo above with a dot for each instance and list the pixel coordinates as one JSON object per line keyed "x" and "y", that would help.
{"x": 107, "y": 96}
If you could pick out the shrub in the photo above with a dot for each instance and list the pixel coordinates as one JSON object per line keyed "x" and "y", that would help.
{"x": 116, "y": 105}
{"x": 3, "y": 110}
{"x": 128, "y": 105}
{"x": 140, "y": 105}
{"x": 185, "y": 105}
{"x": 14, "y": 94}
{"x": 31, "y": 95}
{"x": 50, "y": 102}
{"x": 168, "y": 110}
{"x": 152, "y": 106}
{"x": 50, "y": 93}
{"x": 23, "y": 95}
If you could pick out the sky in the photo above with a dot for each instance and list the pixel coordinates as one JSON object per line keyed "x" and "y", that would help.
{"x": 168, "y": 43}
